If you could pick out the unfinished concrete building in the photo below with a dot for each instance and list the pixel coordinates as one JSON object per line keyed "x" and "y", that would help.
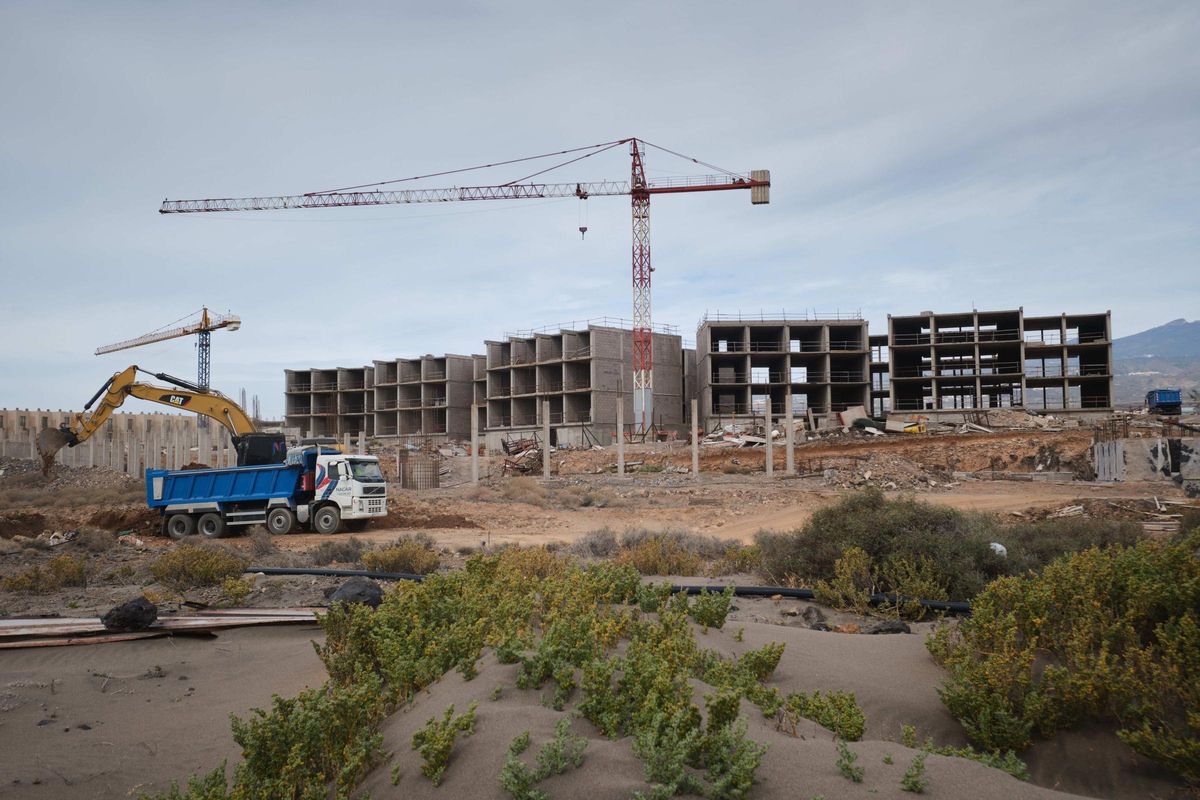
{"x": 329, "y": 402}
{"x": 430, "y": 396}
{"x": 746, "y": 366}
{"x": 881, "y": 379}
{"x": 583, "y": 372}
{"x": 977, "y": 360}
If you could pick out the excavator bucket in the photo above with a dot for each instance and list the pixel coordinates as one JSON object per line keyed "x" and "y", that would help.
{"x": 49, "y": 442}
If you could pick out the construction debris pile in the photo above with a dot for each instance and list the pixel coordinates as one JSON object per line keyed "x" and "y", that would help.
{"x": 25, "y": 472}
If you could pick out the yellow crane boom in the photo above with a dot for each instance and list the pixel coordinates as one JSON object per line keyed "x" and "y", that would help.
{"x": 252, "y": 447}
{"x": 206, "y": 323}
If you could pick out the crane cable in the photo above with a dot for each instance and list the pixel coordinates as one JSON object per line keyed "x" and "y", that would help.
{"x": 605, "y": 145}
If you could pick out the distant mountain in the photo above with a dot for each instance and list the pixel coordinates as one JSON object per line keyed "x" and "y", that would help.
{"x": 1177, "y": 339}
{"x": 1164, "y": 357}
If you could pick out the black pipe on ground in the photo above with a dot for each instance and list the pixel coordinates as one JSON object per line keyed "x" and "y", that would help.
{"x": 951, "y": 606}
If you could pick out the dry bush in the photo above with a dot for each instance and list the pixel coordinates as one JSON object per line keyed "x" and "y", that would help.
{"x": 525, "y": 490}
{"x": 189, "y": 566}
{"x": 340, "y": 551}
{"x": 660, "y": 556}
{"x": 478, "y": 493}
{"x": 96, "y": 540}
{"x": 61, "y": 571}
{"x": 600, "y": 543}
{"x": 261, "y": 543}
{"x": 580, "y": 496}
{"x": 708, "y": 548}
{"x": 737, "y": 559}
{"x": 414, "y": 555}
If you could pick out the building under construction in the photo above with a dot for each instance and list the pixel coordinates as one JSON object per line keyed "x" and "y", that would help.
{"x": 742, "y": 368}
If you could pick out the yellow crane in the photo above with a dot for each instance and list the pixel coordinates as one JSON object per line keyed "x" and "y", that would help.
{"x": 201, "y": 325}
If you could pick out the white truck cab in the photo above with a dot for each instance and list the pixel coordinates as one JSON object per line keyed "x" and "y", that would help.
{"x": 345, "y": 488}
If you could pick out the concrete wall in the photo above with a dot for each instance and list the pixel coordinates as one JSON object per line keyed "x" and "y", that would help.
{"x": 126, "y": 442}
{"x": 1157, "y": 459}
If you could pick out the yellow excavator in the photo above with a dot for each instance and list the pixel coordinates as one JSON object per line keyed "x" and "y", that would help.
{"x": 252, "y": 447}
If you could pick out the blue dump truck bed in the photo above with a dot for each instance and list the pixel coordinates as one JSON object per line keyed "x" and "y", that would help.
{"x": 1164, "y": 397}
{"x": 229, "y": 485}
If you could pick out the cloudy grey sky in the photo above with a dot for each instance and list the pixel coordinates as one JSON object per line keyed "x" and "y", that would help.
{"x": 924, "y": 156}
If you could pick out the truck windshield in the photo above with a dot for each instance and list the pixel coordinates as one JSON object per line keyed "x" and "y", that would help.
{"x": 366, "y": 471}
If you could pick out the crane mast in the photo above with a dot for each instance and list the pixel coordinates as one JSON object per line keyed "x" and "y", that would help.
{"x": 638, "y": 188}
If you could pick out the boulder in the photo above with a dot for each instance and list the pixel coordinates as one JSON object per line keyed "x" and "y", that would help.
{"x": 889, "y": 626}
{"x": 813, "y": 616}
{"x": 358, "y": 590}
{"x": 136, "y": 615}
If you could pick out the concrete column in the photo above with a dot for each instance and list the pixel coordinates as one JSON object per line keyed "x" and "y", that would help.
{"x": 92, "y": 452}
{"x": 545, "y": 438}
{"x": 789, "y": 435}
{"x": 398, "y": 475}
{"x": 362, "y": 443}
{"x": 474, "y": 445}
{"x": 770, "y": 444}
{"x": 695, "y": 440}
{"x": 620, "y": 435}
{"x": 346, "y": 442}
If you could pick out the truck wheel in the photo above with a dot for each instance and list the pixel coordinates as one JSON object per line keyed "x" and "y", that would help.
{"x": 327, "y": 520}
{"x": 211, "y": 526}
{"x": 180, "y": 526}
{"x": 280, "y": 521}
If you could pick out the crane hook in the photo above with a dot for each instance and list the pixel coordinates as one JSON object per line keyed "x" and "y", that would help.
{"x": 582, "y": 216}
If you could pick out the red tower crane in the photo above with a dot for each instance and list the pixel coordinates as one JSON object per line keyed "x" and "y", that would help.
{"x": 638, "y": 188}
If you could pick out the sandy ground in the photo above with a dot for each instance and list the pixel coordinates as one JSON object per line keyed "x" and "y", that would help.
{"x": 114, "y": 720}
{"x": 892, "y": 676}
{"x": 729, "y": 507}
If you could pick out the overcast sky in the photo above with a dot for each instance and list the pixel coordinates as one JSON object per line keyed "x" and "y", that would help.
{"x": 935, "y": 156}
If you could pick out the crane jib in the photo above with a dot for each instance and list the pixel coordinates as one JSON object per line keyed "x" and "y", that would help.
{"x": 515, "y": 191}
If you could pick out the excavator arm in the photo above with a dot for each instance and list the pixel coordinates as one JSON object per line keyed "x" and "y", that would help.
{"x": 183, "y": 395}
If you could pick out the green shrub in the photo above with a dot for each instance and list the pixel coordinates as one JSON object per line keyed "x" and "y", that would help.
{"x": 836, "y": 711}
{"x": 405, "y": 555}
{"x": 709, "y": 609}
{"x": 435, "y": 741}
{"x": 323, "y": 736}
{"x": 954, "y": 543}
{"x": 237, "y": 589}
{"x": 189, "y": 566}
{"x": 561, "y": 753}
{"x": 554, "y": 619}
{"x": 914, "y": 779}
{"x": 1106, "y": 635}
{"x": 852, "y": 584}
{"x": 846, "y": 763}
{"x": 910, "y": 580}
{"x": 1006, "y": 761}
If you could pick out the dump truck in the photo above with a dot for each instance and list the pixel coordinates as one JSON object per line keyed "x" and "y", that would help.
{"x": 1167, "y": 402}
{"x": 317, "y": 487}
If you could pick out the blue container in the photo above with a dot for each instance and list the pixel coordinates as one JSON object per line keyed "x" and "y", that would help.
{"x": 1164, "y": 397}
{"x": 230, "y": 485}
